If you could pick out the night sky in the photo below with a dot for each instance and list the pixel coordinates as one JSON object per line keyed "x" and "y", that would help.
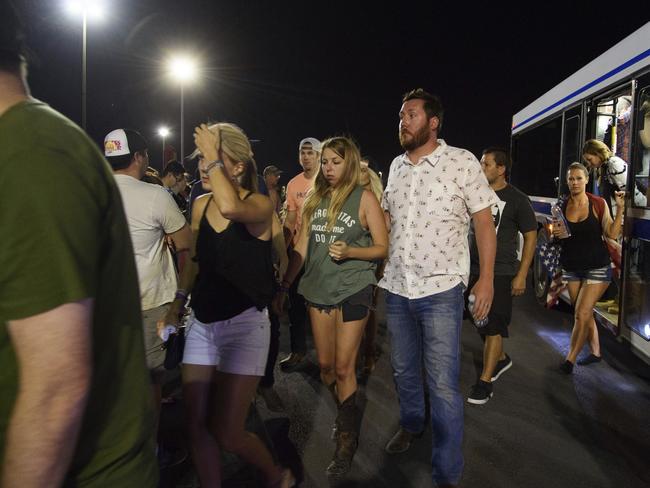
{"x": 287, "y": 70}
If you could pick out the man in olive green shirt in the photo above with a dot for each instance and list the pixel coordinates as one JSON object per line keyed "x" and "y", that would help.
{"x": 75, "y": 408}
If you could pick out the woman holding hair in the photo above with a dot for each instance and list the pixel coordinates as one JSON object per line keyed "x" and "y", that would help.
{"x": 231, "y": 280}
{"x": 612, "y": 170}
{"x": 586, "y": 264}
{"x": 342, "y": 236}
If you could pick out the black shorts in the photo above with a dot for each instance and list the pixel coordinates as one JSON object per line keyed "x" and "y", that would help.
{"x": 501, "y": 310}
{"x": 355, "y": 307}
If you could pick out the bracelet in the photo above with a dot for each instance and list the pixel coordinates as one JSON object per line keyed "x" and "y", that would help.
{"x": 213, "y": 164}
{"x": 180, "y": 295}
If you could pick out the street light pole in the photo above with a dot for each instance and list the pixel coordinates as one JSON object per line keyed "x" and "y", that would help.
{"x": 163, "y": 132}
{"x": 182, "y": 69}
{"x": 182, "y": 158}
{"x": 83, "y": 70}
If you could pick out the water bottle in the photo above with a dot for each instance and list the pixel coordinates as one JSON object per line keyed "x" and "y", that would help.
{"x": 558, "y": 216}
{"x": 470, "y": 306}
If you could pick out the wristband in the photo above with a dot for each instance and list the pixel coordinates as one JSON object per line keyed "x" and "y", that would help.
{"x": 217, "y": 163}
{"x": 180, "y": 295}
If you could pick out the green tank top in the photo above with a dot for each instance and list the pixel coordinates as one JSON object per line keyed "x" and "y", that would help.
{"x": 328, "y": 282}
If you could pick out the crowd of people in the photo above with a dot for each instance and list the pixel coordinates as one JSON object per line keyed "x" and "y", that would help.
{"x": 120, "y": 256}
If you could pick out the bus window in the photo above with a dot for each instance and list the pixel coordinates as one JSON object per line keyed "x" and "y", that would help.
{"x": 642, "y": 158}
{"x": 535, "y": 154}
{"x": 571, "y": 144}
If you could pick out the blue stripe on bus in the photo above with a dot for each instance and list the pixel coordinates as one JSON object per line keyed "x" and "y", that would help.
{"x": 542, "y": 207}
{"x": 611, "y": 73}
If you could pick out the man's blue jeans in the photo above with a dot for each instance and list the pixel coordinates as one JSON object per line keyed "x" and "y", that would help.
{"x": 428, "y": 329}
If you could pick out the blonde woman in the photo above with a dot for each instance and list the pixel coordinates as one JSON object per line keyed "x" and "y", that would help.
{"x": 342, "y": 236}
{"x": 586, "y": 264}
{"x": 232, "y": 283}
{"x": 612, "y": 171}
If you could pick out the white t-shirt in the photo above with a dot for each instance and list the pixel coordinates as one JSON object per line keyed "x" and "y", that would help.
{"x": 151, "y": 213}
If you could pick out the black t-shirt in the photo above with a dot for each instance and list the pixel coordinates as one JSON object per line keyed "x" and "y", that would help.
{"x": 512, "y": 214}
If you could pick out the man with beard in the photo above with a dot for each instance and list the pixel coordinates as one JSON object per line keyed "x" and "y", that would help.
{"x": 297, "y": 189}
{"x": 432, "y": 191}
{"x": 512, "y": 214}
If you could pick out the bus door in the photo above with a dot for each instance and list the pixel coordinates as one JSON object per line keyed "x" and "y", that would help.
{"x": 609, "y": 120}
{"x": 636, "y": 296}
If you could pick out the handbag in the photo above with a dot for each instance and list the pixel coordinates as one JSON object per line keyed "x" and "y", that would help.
{"x": 174, "y": 347}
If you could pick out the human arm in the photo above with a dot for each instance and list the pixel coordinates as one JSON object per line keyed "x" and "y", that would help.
{"x": 296, "y": 260}
{"x": 290, "y": 224}
{"x": 279, "y": 245}
{"x": 182, "y": 241}
{"x": 527, "y": 253}
{"x": 254, "y": 210}
{"x": 190, "y": 270}
{"x": 374, "y": 216}
{"x": 613, "y": 227}
{"x": 486, "y": 242}
{"x": 54, "y": 354}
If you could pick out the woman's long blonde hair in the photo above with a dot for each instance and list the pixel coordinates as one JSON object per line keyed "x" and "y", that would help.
{"x": 375, "y": 185}
{"x": 347, "y": 150}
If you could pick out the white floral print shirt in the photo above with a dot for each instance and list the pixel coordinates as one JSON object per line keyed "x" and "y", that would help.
{"x": 430, "y": 204}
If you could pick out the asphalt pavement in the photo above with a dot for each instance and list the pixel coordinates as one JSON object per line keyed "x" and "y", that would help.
{"x": 540, "y": 429}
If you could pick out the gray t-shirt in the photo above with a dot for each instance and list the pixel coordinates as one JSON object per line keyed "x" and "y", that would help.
{"x": 512, "y": 214}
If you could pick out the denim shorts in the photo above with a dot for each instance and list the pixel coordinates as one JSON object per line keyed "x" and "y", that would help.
{"x": 353, "y": 308}
{"x": 589, "y": 276}
{"x": 238, "y": 345}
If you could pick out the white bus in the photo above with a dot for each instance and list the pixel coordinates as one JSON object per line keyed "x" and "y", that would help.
{"x": 608, "y": 100}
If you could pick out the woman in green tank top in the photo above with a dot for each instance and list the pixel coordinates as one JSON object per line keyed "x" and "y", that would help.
{"x": 342, "y": 236}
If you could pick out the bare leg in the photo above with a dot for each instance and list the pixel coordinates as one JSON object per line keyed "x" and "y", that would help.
{"x": 232, "y": 400}
{"x": 197, "y": 390}
{"x": 584, "y": 316}
{"x": 492, "y": 352}
{"x": 348, "y": 340}
{"x": 594, "y": 341}
{"x": 323, "y": 326}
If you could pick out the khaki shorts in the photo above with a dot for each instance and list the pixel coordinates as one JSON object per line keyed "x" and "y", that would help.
{"x": 153, "y": 344}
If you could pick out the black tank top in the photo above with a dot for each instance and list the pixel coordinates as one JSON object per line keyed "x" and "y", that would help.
{"x": 235, "y": 271}
{"x": 585, "y": 248}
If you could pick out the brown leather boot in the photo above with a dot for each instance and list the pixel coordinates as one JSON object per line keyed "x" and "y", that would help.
{"x": 335, "y": 428}
{"x": 347, "y": 439}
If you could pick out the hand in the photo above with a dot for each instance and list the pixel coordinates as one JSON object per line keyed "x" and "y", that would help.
{"x": 172, "y": 317}
{"x": 518, "y": 285}
{"x": 557, "y": 229}
{"x": 339, "y": 251}
{"x": 208, "y": 142}
{"x": 619, "y": 198}
{"x": 483, "y": 292}
{"x": 277, "y": 305}
{"x": 170, "y": 244}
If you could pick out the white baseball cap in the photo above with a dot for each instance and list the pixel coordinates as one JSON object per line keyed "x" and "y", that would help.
{"x": 314, "y": 143}
{"x": 120, "y": 142}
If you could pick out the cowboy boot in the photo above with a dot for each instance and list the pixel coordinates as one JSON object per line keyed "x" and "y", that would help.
{"x": 332, "y": 389}
{"x": 347, "y": 439}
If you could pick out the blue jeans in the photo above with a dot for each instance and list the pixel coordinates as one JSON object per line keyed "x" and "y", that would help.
{"x": 428, "y": 329}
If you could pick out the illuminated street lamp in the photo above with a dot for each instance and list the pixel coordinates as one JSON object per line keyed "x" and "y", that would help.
{"x": 163, "y": 132}
{"x": 183, "y": 69}
{"x": 93, "y": 9}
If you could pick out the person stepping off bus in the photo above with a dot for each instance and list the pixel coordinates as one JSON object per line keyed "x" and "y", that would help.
{"x": 512, "y": 214}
